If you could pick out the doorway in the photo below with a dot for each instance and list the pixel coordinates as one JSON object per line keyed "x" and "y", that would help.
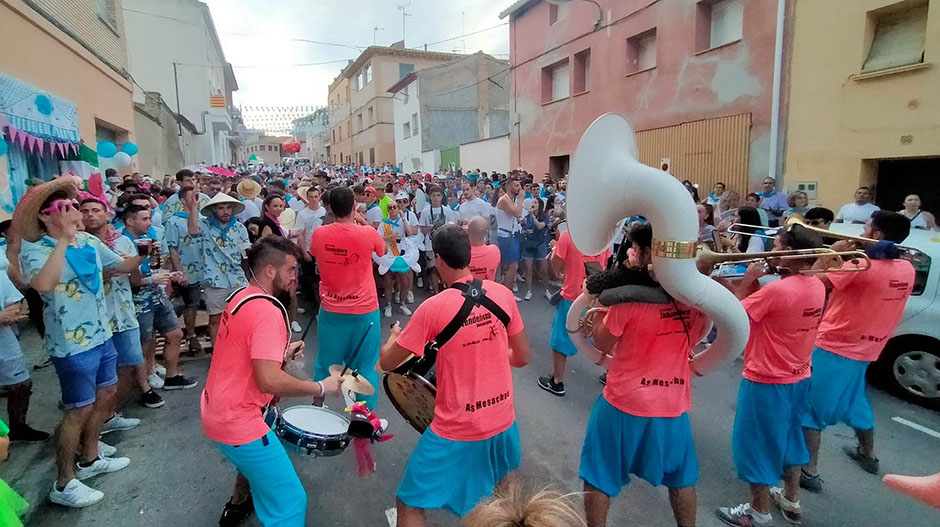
{"x": 897, "y": 178}
{"x": 558, "y": 167}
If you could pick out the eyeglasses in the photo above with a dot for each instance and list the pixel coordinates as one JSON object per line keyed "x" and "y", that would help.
{"x": 60, "y": 206}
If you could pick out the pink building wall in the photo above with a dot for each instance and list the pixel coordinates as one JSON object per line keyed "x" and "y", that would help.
{"x": 685, "y": 85}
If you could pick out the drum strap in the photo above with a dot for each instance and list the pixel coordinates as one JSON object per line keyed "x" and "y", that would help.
{"x": 269, "y": 298}
{"x": 473, "y": 295}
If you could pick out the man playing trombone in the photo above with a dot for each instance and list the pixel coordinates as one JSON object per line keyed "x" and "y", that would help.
{"x": 768, "y": 438}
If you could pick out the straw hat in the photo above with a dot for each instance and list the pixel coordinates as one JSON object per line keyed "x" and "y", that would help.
{"x": 220, "y": 198}
{"x": 26, "y": 214}
{"x": 248, "y": 189}
{"x": 302, "y": 193}
{"x": 287, "y": 218}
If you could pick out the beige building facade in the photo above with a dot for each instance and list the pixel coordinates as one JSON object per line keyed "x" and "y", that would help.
{"x": 362, "y": 115}
{"x": 865, "y": 101}
{"x": 266, "y": 148}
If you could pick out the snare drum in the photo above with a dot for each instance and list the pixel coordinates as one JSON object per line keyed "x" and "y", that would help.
{"x": 313, "y": 430}
{"x": 412, "y": 394}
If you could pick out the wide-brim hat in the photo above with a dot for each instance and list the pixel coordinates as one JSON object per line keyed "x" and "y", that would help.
{"x": 26, "y": 215}
{"x": 220, "y": 199}
{"x": 248, "y": 189}
{"x": 302, "y": 193}
{"x": 287, "y": 218}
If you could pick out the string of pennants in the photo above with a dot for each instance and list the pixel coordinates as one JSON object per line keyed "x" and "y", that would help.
{"x": 32, "y": 144}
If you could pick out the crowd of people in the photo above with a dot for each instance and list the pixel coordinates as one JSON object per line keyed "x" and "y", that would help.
{"x": 106, "y": 268}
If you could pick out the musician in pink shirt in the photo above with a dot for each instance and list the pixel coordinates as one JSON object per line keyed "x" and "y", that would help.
{"x": 484, "y": 259}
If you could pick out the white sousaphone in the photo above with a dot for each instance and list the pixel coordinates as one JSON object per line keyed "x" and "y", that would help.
{"x": 607, "y": 183}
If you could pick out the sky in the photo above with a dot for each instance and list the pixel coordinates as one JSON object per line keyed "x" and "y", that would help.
{"x": 258, "y": 32}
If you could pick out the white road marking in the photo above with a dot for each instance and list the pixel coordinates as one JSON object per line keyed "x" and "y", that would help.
{"x": 915, "y": 426}
{"x": 392, "y": 516}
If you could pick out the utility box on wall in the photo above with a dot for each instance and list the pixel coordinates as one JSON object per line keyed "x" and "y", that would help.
{"x": 809, "y": 187}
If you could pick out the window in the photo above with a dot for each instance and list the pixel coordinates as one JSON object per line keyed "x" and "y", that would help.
{"x": 582, "y": 71}
{"x": 371, "y": 113}
{"x": 359, "y": 83}
{"x": 359, "y": 123}
{"x": 107, "y": 13}
{"x": 555, "y": 82}
{"x": 719, "y": 22}
{"x": 558, "y": 167}
{"x": 641, "y": 51}
{"x": 405, "y": 69}
{"x": 368, "y": 74}
{"x": 414, "y": 124}
{"x": 372, "y": 156}
{"x": 898, "y": 37}
{"x": 557, "y": 13}
{"x": 404, "y": 94}
{"x": 406, "y": 130}
{"x": 334, "y": 135}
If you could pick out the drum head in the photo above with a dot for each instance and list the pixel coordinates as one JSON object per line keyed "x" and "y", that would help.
{"x": 413, "y": 397}
{"x": 316, "y": 420}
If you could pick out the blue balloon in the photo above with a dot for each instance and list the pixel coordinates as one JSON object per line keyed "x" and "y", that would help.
{"x": 44, "y": 104}
{"x": 107, "y": 149}
{"x": 3, "y": 148}
{"x": 129, "y": 149}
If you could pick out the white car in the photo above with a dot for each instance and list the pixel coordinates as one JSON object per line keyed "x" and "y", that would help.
{"x": 909, "y": 366}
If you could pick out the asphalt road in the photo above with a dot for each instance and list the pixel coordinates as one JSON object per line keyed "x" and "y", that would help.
{"x": 178, "y": 478}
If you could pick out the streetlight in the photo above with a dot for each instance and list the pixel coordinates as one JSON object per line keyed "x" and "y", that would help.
{"x": 600, "y": 10}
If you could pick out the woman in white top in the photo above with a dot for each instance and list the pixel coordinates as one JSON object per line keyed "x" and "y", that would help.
{"x": 509, "y": 210}
{"x": 920, "y": 219}
{"x": 746, "y": 241}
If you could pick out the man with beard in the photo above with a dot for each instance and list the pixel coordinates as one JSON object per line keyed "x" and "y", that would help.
{"x": 245, "y": 374}
{"x": 222, "y": 242}
{"x": 509, "y": 211}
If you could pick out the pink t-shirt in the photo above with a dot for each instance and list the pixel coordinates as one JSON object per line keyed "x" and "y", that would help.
{"x": 649, "y": 373}
{"x": 864, "y": 309}
{"x": 344, "y": 258}
{"x": 474, "y": 378}
{"x": 231, "y": 402}
{"x": 484, "y": 260}
{"x": 784, "y": 315}
{"x": 574, "y": 265}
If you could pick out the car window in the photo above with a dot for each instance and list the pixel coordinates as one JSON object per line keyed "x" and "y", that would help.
{"x": 921, "y": 263}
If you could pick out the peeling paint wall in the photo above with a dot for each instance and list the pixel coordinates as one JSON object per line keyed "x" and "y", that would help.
{"x": 687, "y": 84}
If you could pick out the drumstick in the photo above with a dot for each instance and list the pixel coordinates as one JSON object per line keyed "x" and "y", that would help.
{"x": 356, "y": 352}
{"x": 303, "y": 336}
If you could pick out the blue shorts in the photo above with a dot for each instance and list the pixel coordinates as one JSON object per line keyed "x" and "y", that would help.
{"x": 837, "y": 393}
{"x": 509, "y": 250}
{"x": 160, "y": 316}
{"x": 279, "y": 497}
{"x": 191, "y": 294}
{"x": 535, "y": 251}
{"x": 83, "y": 374}
{"x": 617, "y": 444}
{"x": 768, "y": 431}
{"x": 127, "y": 345}
{"x": 338, "y": 334}
{"x": 560, "y": 341}
{"x": 455, "y": 475}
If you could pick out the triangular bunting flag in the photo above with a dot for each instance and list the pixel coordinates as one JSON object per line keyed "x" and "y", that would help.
{"x": 40, "y": 144}
{"x": 30, "y": 142}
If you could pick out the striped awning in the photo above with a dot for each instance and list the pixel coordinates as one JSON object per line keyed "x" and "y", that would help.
{"x": 37, "y": 112}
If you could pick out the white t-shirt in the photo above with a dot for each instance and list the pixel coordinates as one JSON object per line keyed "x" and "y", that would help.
{"x": 308, "y": 220}
{"x": 374, "y": 214}
{"x": 475, "y": 207}
{"x": 430, "y": 217}
{"x": 398, "y": 229}
{"x": 296, "y": 204}
{"x": 854, "y": 213}
{"x": 412, "y": 220}
{"x": 251, "y": 211}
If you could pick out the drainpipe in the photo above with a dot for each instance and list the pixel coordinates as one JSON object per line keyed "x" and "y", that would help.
{"x": 775, "y": 109}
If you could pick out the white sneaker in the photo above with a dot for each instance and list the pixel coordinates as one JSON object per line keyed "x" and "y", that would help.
{"x": 528, "y": 295}
{"x": 102, "y": 465}
{"x": 76, "y": 494}
{"x": 388, "y": 311}
{"x": 548, "y": 295}
{"x": 301, "y": 310}
{"x": 420, "y": 282}
{"x": 515, "y": 287}
{"x": 397, "y": 297}
{"x": 410, "y": 297}
{"x": 520, "y": 278}
{"x": 106, "y": 450}
{"x": 159, "y": 369}
{"x": 296, "y": 327}
{"x": 403, "y": 309}
{"x": 517, "y": 298}
{"x": 119, "y": 422}
{"x": 155, "y": 381}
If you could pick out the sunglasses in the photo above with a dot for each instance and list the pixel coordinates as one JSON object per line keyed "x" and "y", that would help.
{"x": 60, "y": 206}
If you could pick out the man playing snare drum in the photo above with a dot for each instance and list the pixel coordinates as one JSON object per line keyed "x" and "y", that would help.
{"x": 473, "y": 432}
{"x": 245, "y": 374}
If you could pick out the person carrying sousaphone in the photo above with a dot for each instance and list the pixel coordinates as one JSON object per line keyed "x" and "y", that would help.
{"x": 476, "y": 331}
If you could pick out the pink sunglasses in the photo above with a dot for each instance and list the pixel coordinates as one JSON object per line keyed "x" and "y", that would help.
{"x": 60, "y": 206}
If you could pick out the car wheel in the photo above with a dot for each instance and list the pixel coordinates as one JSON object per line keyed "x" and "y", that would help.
{"x": 910, "y": 368}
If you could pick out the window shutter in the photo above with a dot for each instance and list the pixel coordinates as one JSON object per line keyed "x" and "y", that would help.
{"x": 899, "y": 40}
{"x": 560, "y": 82}
{"x": 727, "y": 22}
{"x": 646, "y": 58}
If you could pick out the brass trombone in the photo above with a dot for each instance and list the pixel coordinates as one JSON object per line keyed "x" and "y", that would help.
{"x": 774, "y": 261}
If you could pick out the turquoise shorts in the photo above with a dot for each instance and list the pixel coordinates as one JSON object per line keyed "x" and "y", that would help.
{"x": 617, "y": 444}
{"x": 837, "y": 393}
{"x": 456, "y": 475}
{"x": 560, "y": 341}
{"x": 768, "y": 431}
{"x": 338, "y": 335}
{"x": 279, "y": 497}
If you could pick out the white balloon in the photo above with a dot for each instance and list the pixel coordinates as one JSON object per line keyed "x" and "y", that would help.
{"x": 121, "y": 159}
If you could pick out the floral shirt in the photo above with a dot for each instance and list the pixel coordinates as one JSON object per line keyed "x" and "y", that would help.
{"x": 222, "y": 250}
{"x": 173, "y": 205}
{"x": 76, "y": 318}
{"x": 177, "y": 235}
{"x": 117, "y": 291}
{"x": 146, "y": 296}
